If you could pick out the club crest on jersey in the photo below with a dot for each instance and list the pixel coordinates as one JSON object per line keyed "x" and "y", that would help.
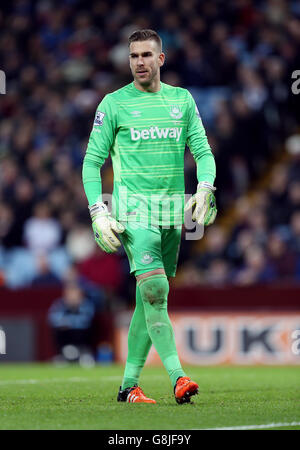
{"x": 146, "y": 258}
{"x": 175, "y": 112}
{"x": 99, "y": 118}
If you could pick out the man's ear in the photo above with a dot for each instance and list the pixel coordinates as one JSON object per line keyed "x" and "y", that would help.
{"x": 161, "y": 60}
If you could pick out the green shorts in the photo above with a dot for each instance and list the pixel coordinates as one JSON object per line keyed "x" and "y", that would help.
{"x": 151, "y": 247}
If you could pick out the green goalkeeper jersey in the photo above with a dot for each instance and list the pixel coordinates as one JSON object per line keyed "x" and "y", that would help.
{"x": 146, "y": 134}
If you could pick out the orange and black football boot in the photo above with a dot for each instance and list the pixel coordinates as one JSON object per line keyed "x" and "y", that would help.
{"x": 184, "y": 389}
{"x": 133, "y": 395}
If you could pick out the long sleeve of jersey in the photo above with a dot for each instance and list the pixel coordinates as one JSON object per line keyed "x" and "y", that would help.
{"x": 101, "y": 140}
{"x": 199, "y": 146}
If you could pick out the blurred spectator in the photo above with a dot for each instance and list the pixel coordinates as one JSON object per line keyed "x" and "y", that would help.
{"x": 80, "y": 242}
{"x": 256, "y": 268}
{"x": 258, "y": 224}
{"x": 6, "y": 225}
{"x": 93, "y": 292}
{"x": 43, "y": 274}
{"x": 215, "y": 246}
{"x": 42, "y": 233}
{"x": 218, "y": 273}
{"x": 282, "y": 259}
{"x": 191, "y": 276}
{"x": 71, "y": 319}
{"x": 293, "y": 198}
{"x": 103, "y": 269}
{"x": 295, "y": 232}
{"x": 238, "y": 247}
{"x": 277, "y": 211}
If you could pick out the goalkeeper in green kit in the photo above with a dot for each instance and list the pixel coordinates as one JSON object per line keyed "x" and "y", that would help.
{"x": 145, "y": 126}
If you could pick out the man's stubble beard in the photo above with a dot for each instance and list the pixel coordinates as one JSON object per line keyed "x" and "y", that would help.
{"x": 145, "y": 83}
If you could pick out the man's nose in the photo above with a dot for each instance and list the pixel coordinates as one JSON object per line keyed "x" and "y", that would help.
{"x": 140, "y": 61}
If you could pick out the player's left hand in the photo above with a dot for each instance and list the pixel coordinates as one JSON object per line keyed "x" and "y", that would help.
{"x": 205, "y": 210}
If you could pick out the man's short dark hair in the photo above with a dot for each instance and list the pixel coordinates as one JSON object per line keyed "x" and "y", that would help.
{"x": 145, "y": 35}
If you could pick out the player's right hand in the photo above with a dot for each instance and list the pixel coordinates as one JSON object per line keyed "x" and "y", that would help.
{"x": 103, "y": 226}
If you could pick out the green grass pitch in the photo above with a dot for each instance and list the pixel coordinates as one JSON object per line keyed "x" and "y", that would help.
{"x": 42, "y": 396}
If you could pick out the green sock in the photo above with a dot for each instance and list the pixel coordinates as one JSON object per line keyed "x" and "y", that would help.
{"x": 154, "y": 292}
{"x": 139, "y": 344}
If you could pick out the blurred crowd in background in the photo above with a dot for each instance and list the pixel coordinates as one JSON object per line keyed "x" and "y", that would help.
{"x": 235, "y": 57}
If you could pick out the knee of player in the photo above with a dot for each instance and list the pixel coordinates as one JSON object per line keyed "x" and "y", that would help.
{"x": 154, "y": 297}
{"x": 154, "y": 291}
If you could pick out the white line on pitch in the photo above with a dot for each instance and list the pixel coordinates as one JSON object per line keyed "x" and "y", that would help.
{"x": 255, "y": 427}
{"x": 46, "y": 380}
{"x": 72, "y": 380}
